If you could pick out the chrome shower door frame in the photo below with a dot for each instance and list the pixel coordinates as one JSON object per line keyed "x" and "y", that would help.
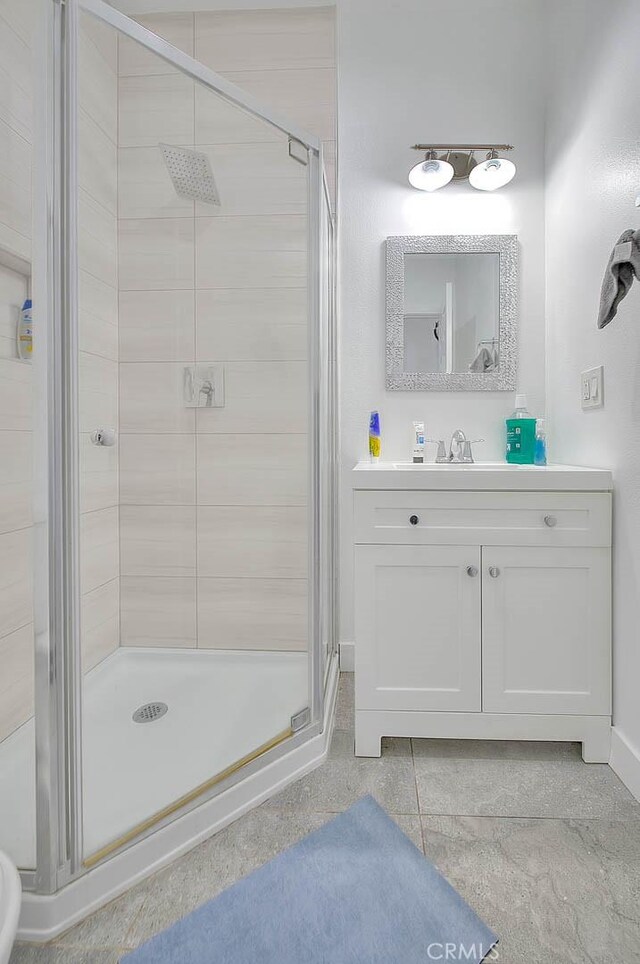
{"x": 58, "y": 643}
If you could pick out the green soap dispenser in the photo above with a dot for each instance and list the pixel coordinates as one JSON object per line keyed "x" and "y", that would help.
{"x": 521, "y": 434}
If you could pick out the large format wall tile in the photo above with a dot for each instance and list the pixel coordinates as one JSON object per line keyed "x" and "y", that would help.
{"x": 16, "y": 475}
{"x": 156, "y": 254}
{"x": 97, "y": 162}
{"x": 158, "y": 611}
{"x": 152, "y": 398}
{"x": 256, "y": 469}
{"x": 255, "y": 179}
{"x": 157, "y": 326}
{"x": 97, "y": 74}
{"x": 98, "y": 392}
{"x": 251, "y": 252}
{"x": 266, "y": 39}
{"x": 252, "y": 324}
{"x": 16, "y": 606}
{"x": 16, "y": 381}
{"x": 136, "y": 60}
{"x": 259, "y": 396}
{"x": 98, "y": 316}
{"x": 220, "y": 122}
{"x": 100, "y": 623}
{"x": 154, "y": 109}
{"x": 15, "y": 191}
{"x": 145, "y": 189}
{"x": 97, "y": 240}
{"x": 98, "y": 474}
{"x": 265, "y": 542}
{"x": 16, "y": 680}
{"x": 158, "y": 540}
{"x": 157, "y": 470}
{"x": 305, "y": 97}
{"x": 252, "y": 614}
{"x": 98, "y": 548}
{"x": 16, "y": 85}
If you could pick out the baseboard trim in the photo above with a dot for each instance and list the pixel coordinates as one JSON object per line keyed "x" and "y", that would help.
{"x": 625, "y": 762}
{"x": 347, "y": 657}
{"x": 44, "y": 917}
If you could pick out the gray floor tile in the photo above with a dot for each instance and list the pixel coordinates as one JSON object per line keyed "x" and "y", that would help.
{"x": 344, "y": 778}
{"x": 556, "y": 891}
{"x": 345, "y": 704}
{"x": 52, "y": 954}
{"x": 216, "y": 864}
{"x": 109, "y": 926}
{"x": 411, "y": 825}
{"x": 514, "y": 782}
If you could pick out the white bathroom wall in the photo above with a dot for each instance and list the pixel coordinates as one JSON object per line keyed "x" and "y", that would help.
{"x": 431, "y": 71}
{"x": 593, "y": 177}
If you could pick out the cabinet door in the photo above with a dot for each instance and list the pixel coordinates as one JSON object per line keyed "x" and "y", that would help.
{"x": 546, "y": 642}
{"x": 417, "y": 612}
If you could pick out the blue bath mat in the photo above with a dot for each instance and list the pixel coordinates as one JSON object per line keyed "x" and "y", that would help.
{"x": 356, "y": 891}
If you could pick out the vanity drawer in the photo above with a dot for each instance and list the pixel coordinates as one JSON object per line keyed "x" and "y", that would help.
{"x": 483, "y": 518}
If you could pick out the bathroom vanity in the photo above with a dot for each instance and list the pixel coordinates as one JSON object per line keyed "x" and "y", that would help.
{"x": 483, "y": 603}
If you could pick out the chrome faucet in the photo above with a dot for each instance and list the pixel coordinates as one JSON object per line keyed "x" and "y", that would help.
{"x": 460, "y": 452}
{"x": 458, "y": 447}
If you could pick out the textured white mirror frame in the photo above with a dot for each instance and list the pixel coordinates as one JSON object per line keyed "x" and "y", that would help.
{"x": 502, "y": 380}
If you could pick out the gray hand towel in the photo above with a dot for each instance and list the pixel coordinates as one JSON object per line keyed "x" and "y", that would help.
{"x": 623, "y": 265}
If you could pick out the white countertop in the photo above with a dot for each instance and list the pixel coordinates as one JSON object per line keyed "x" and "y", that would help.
{"x": 481, "y": 476}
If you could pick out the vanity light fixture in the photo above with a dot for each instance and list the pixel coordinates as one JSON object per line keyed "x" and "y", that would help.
{"x": 457, "y": 163}
{"x": 432, "y": 173}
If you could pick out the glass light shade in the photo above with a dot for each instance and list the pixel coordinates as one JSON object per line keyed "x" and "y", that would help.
{"x": 430, "y": 175}
{"x": 493, "y": 173}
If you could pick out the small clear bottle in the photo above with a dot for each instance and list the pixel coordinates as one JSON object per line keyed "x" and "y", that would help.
{"x": 540, "y": 446}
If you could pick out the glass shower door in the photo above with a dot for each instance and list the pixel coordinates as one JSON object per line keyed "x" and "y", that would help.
{"x": 203, "y": 551}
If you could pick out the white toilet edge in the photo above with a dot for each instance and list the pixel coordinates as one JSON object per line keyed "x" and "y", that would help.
{"x": 10, "y": 900}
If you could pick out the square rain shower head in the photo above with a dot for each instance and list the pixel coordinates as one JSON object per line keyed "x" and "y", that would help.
{"x": 191, "y": 174}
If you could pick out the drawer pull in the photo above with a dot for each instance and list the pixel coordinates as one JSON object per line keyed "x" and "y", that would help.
{"x": 414, "y": 520}
{"x": 551, "y": 521}
{"x": 494, "y": 572}
{"x": 472, "y": 571}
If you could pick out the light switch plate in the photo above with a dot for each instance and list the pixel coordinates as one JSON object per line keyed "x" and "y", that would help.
{"x": 592, "y": 388}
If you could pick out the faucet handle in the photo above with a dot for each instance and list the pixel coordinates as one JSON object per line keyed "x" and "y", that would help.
{"x": 467, "y": 453}
{"x": 441, "y": 455}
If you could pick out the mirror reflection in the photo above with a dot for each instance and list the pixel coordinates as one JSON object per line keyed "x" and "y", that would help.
{"x": 451, "y": 312}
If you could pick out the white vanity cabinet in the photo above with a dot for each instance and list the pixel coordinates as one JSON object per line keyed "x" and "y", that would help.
{"x": 483, "y": 613}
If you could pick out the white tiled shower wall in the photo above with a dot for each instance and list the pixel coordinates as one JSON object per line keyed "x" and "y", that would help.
{"x": 213, "y": 514}
{"x": 201, "y": 535}
{"x": 98, "y": 345}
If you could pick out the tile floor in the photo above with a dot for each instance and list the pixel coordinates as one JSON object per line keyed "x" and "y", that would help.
{"x": 544, "y": 847}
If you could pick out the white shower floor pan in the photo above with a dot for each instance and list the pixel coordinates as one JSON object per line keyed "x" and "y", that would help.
{"x": 223, "y": 705}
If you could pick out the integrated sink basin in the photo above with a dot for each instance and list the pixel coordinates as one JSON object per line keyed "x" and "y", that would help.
{"x": 484, "y": 476}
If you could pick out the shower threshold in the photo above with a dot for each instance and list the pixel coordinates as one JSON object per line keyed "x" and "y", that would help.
{"x": 224, "y": 709}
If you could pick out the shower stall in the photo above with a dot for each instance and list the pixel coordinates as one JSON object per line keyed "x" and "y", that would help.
{"x": 176, "y": 570}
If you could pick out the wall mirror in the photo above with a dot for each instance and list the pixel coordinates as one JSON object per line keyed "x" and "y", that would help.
{"x": 452, "y": 313}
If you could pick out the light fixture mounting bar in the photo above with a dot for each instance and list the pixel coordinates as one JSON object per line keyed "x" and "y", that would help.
{"x": 462, "y": 147}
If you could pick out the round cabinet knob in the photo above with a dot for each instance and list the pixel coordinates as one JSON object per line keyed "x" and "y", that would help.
{"x": 414, "y": 520}
{"x": 494, "y": 572}
{"x": 551, "y": 521}
{"x": 472, "y": 571}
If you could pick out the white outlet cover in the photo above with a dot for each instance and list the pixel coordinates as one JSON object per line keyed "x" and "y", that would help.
{"x": 592, "y": 388}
